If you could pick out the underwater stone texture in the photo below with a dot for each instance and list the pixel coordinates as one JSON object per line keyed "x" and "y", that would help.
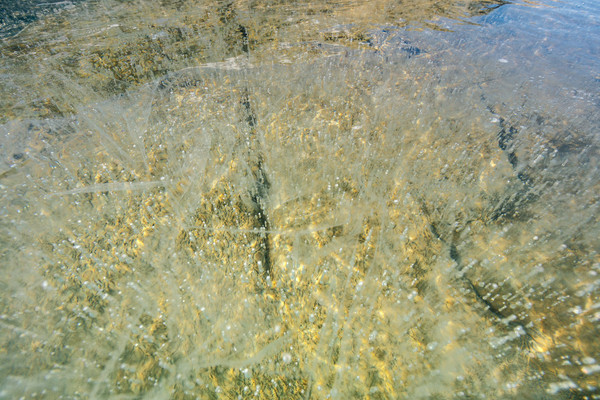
{"x": 194, "y": 207}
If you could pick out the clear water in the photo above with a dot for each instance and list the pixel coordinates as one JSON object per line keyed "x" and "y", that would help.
{"x": 307, "y": 200}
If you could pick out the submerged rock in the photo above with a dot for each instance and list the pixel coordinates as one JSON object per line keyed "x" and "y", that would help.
{"x": 196, "y": 209}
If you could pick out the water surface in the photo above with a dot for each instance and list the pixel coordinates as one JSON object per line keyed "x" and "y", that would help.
{"x": 301, "y": 200}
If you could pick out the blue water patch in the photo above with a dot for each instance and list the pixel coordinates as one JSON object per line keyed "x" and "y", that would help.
{"x": 15, "y": 15}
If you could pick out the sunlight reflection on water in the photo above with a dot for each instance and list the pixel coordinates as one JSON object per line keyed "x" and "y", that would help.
{"x": 301, "y": 200}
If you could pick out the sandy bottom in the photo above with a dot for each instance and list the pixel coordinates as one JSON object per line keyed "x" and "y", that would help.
{"x": 342, "y": 222}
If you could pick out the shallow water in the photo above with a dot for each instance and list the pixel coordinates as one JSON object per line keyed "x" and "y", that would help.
{"x": 301, "y": 200}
